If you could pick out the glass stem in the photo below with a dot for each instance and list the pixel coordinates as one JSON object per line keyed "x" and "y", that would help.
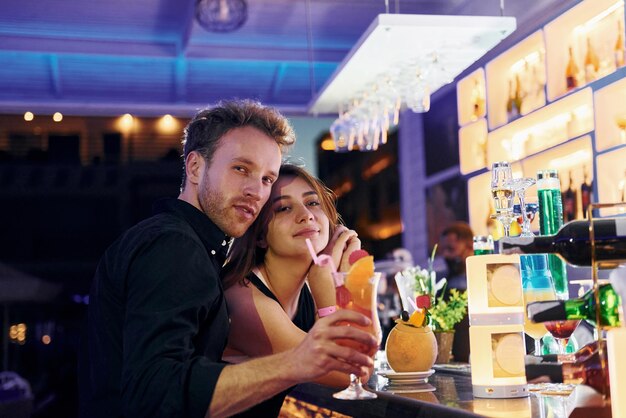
{"x": 522, "y": 206}
{"x": 507, "y": 228}
{"x": 563, "y": 345}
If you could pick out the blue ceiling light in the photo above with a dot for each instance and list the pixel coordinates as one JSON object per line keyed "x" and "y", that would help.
{"x": 221, "y": 15}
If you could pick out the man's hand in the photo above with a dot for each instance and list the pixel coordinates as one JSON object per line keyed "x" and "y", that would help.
{"x": 320, "y": 354}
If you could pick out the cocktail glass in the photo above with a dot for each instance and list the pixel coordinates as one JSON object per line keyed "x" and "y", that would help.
{"x": 519, "y": 186}
{"x": 363, "y": 300}
{"x": 562, "y": 331}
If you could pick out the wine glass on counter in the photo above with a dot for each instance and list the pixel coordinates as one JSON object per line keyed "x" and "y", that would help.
{"x": 362, "y": 290}
{"x": 519, "y": 187}
{"x": 501, "y": 176}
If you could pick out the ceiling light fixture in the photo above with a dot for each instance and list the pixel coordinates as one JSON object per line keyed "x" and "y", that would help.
{"x": 221, "y": 15}
{"x": 400, "y": 61}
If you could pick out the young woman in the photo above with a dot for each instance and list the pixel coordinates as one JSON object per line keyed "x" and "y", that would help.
{"x": 274, "y": 291}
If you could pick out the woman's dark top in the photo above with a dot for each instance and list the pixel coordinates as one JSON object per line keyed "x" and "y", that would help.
{"x": 304, "y": 319}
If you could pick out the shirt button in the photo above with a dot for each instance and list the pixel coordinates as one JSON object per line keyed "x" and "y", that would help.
{"x": 213, "y": 252}
{"x": 224, "y": 243}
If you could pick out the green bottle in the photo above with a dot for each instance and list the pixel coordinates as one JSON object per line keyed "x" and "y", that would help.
{"x": 581, "y": 308}
{"x": 550, "y": 221}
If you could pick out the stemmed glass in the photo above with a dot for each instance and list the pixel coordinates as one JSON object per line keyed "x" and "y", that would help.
{"x": 562, "y": 331}
{"x": 537, "y": 285}
{"x": 519, "y": 186}
{"x": 363, "y": 293}
{"x": 501, "y": 176}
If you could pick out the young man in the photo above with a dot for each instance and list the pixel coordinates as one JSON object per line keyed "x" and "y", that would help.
{"x": 158, "y": 321}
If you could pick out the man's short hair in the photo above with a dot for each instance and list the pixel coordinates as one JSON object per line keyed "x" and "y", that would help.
{"x": 208, "y": 126}
{"x": 461, "y": 229}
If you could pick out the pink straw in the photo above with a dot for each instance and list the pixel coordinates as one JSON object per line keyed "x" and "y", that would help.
{"x": 322, "y": 260}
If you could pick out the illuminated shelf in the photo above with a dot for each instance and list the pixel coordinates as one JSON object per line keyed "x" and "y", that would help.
{"x": 472, "y": 97}
{"x": 571, "y": 160}
{"x": 593, "y": 21}
{"x": 611, "y": 178}
{"x": 473, "y": 146}
{"x": 556, "y": 123}
{"x": 524, "y": 64}
{"x": 610, "y": 114}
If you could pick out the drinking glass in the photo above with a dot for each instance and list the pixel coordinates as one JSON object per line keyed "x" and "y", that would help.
{"x": 501, "y": 176}
{"x": 363, "y": 300}
{"x": 519, "y": 186}
{"x": 562, "y": 331}
{"x": 531, "y": 210}
{"x": 537, "y": 285}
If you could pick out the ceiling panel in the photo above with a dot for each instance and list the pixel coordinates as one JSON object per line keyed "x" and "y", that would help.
{"x": 143, "y": 56}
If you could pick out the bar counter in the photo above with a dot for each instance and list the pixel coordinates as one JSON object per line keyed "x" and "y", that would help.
{"x": 447, "y": 394}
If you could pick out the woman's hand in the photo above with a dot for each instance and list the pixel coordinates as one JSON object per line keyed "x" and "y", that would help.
{"x": 343, "y": 242}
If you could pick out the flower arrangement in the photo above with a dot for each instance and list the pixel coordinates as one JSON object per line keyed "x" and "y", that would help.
{"x": 418, "y": 290}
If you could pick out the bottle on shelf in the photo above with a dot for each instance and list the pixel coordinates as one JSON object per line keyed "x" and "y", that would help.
{"x": 618, "y": 50}
{"x": 478, "y": 100}
{"x": 586, "y": 190}
{"x": 592, "y": 62}
{"x": 511, "y": 107}
{"x": 550, "y": 221}
{"x": 580, "y": 308}
{"x": 570, "y": 203}
{"x": 519, "y": 95}
{"x": 621, "y": 186}
{"x": 591, "y": 371}
{"x": 573, "y": 244}
{"x": 571, "y": 71}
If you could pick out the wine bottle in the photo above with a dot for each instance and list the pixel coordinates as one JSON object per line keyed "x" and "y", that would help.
{"x": 591, "y": 371}
{"x": 592, "y": 63}
{"x": 580, "y": 308}
{"x": 618, "y": 50}
{"x": 511, "y": 110}
{"x": 569, "y": 201}
{"x": 573, "y": 243}
{"x": 478, "y": 100}
{"x": 571, "y": 72}
{"x": 550, "y": 221}
{"x": 519, "y": 96}
{"x": 586, "y": 189}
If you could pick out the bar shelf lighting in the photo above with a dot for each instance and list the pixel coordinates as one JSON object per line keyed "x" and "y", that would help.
{"x": 399, "y": 62}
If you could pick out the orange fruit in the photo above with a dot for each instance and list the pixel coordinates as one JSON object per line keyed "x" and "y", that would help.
{"x": 358, "y": 281}
{"x": 417, "y": 318}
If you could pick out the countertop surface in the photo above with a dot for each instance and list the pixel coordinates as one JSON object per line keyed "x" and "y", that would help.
{"x": 449, "y": 394}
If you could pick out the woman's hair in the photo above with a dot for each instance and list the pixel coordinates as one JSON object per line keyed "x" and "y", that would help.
{"x": 246, "y": 252}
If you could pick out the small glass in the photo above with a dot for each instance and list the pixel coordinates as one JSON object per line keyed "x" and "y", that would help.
{"x": 483, "y": 244}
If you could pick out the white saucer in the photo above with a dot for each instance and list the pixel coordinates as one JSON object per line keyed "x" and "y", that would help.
{"x": 407, "y": 377}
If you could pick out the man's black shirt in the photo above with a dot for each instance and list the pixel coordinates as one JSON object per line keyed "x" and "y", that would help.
{"x": 157, "y": 319}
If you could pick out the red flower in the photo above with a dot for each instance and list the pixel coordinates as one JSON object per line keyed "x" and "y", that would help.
{"x": 423, "y": 301}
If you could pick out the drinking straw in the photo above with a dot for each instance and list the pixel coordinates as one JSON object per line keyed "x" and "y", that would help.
{"x": 325, "y": 260}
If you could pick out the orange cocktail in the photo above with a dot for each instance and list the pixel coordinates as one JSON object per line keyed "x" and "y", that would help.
{"x": 358, "y": 293}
